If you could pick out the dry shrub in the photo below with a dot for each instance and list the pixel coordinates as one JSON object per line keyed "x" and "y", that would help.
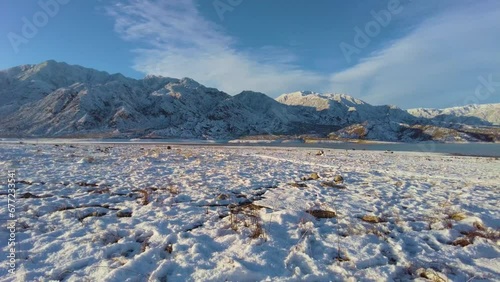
{"x": 249, "y": 216}
{"x": 258, "y": 229}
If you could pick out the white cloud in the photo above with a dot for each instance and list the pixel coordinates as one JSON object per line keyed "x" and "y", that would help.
{"x": 183, "y": 43}
{"x": 438, "y": 64}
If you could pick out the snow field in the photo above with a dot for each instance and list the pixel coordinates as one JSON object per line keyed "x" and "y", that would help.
{"x": 92, "y": 212}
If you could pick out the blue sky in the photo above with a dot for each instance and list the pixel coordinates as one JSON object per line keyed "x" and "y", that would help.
{"x": 408, "y": 53}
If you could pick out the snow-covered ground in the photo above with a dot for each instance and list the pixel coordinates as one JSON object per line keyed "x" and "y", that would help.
{"x": 138, "y": 212}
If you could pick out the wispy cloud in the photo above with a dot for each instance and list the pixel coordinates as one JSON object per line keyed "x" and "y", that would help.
{"x": 438, "y": 64}
{"x": 179, "y": 41}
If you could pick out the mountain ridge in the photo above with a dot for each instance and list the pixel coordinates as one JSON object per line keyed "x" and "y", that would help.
{"x": 57, "y": 99}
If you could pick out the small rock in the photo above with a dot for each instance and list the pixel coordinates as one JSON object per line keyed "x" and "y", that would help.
{"x": 124, "y": 213}
{"x": 222, "y": 197}
{"x": 332, "y": 185}
{"x": 298, "y": 185}
{"x": 338, "y": 179}
{"x": 463, "y": 242}
{"x": 314, "y": 176}
{"x": 169, "y": 148}
{"x": 321, "y": 213}
{"x": 169, "y": 248}
{"x": 320, "y": 153}
{"x": 28, "y": 196}
{"x": 371, "y": 218}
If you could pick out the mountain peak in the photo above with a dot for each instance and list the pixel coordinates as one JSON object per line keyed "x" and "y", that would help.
{"x": 249, "y": 93}
{"x": 318, "y": 100}
{"x": 189, "y": 82}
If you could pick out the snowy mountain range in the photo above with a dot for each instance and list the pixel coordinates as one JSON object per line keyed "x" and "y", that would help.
{"x": 488, "y": 114}
{"x": 55, "y": 99}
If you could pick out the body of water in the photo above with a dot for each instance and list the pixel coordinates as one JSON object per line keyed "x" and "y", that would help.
{"x": 471, "y": 149}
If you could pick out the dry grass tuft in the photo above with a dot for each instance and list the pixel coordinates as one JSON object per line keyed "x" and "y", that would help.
{"x": 431, "y": 275}
{"x": 145, "y": 197}
{"x": 457, "y": 216}
{"x": 371, "y": 218}
{"x": 479, "y": 226}
{"x": 481, "y": 231}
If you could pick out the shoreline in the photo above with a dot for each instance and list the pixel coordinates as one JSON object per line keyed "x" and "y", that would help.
{"x": 476, "y": 149}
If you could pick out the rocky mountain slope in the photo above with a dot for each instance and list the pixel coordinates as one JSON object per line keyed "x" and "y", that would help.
{"x": 54, "y": 99}
{"x": 488, "y": 114}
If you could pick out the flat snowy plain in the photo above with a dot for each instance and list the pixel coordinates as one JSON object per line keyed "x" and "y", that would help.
{"x": 139, "y": 212}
